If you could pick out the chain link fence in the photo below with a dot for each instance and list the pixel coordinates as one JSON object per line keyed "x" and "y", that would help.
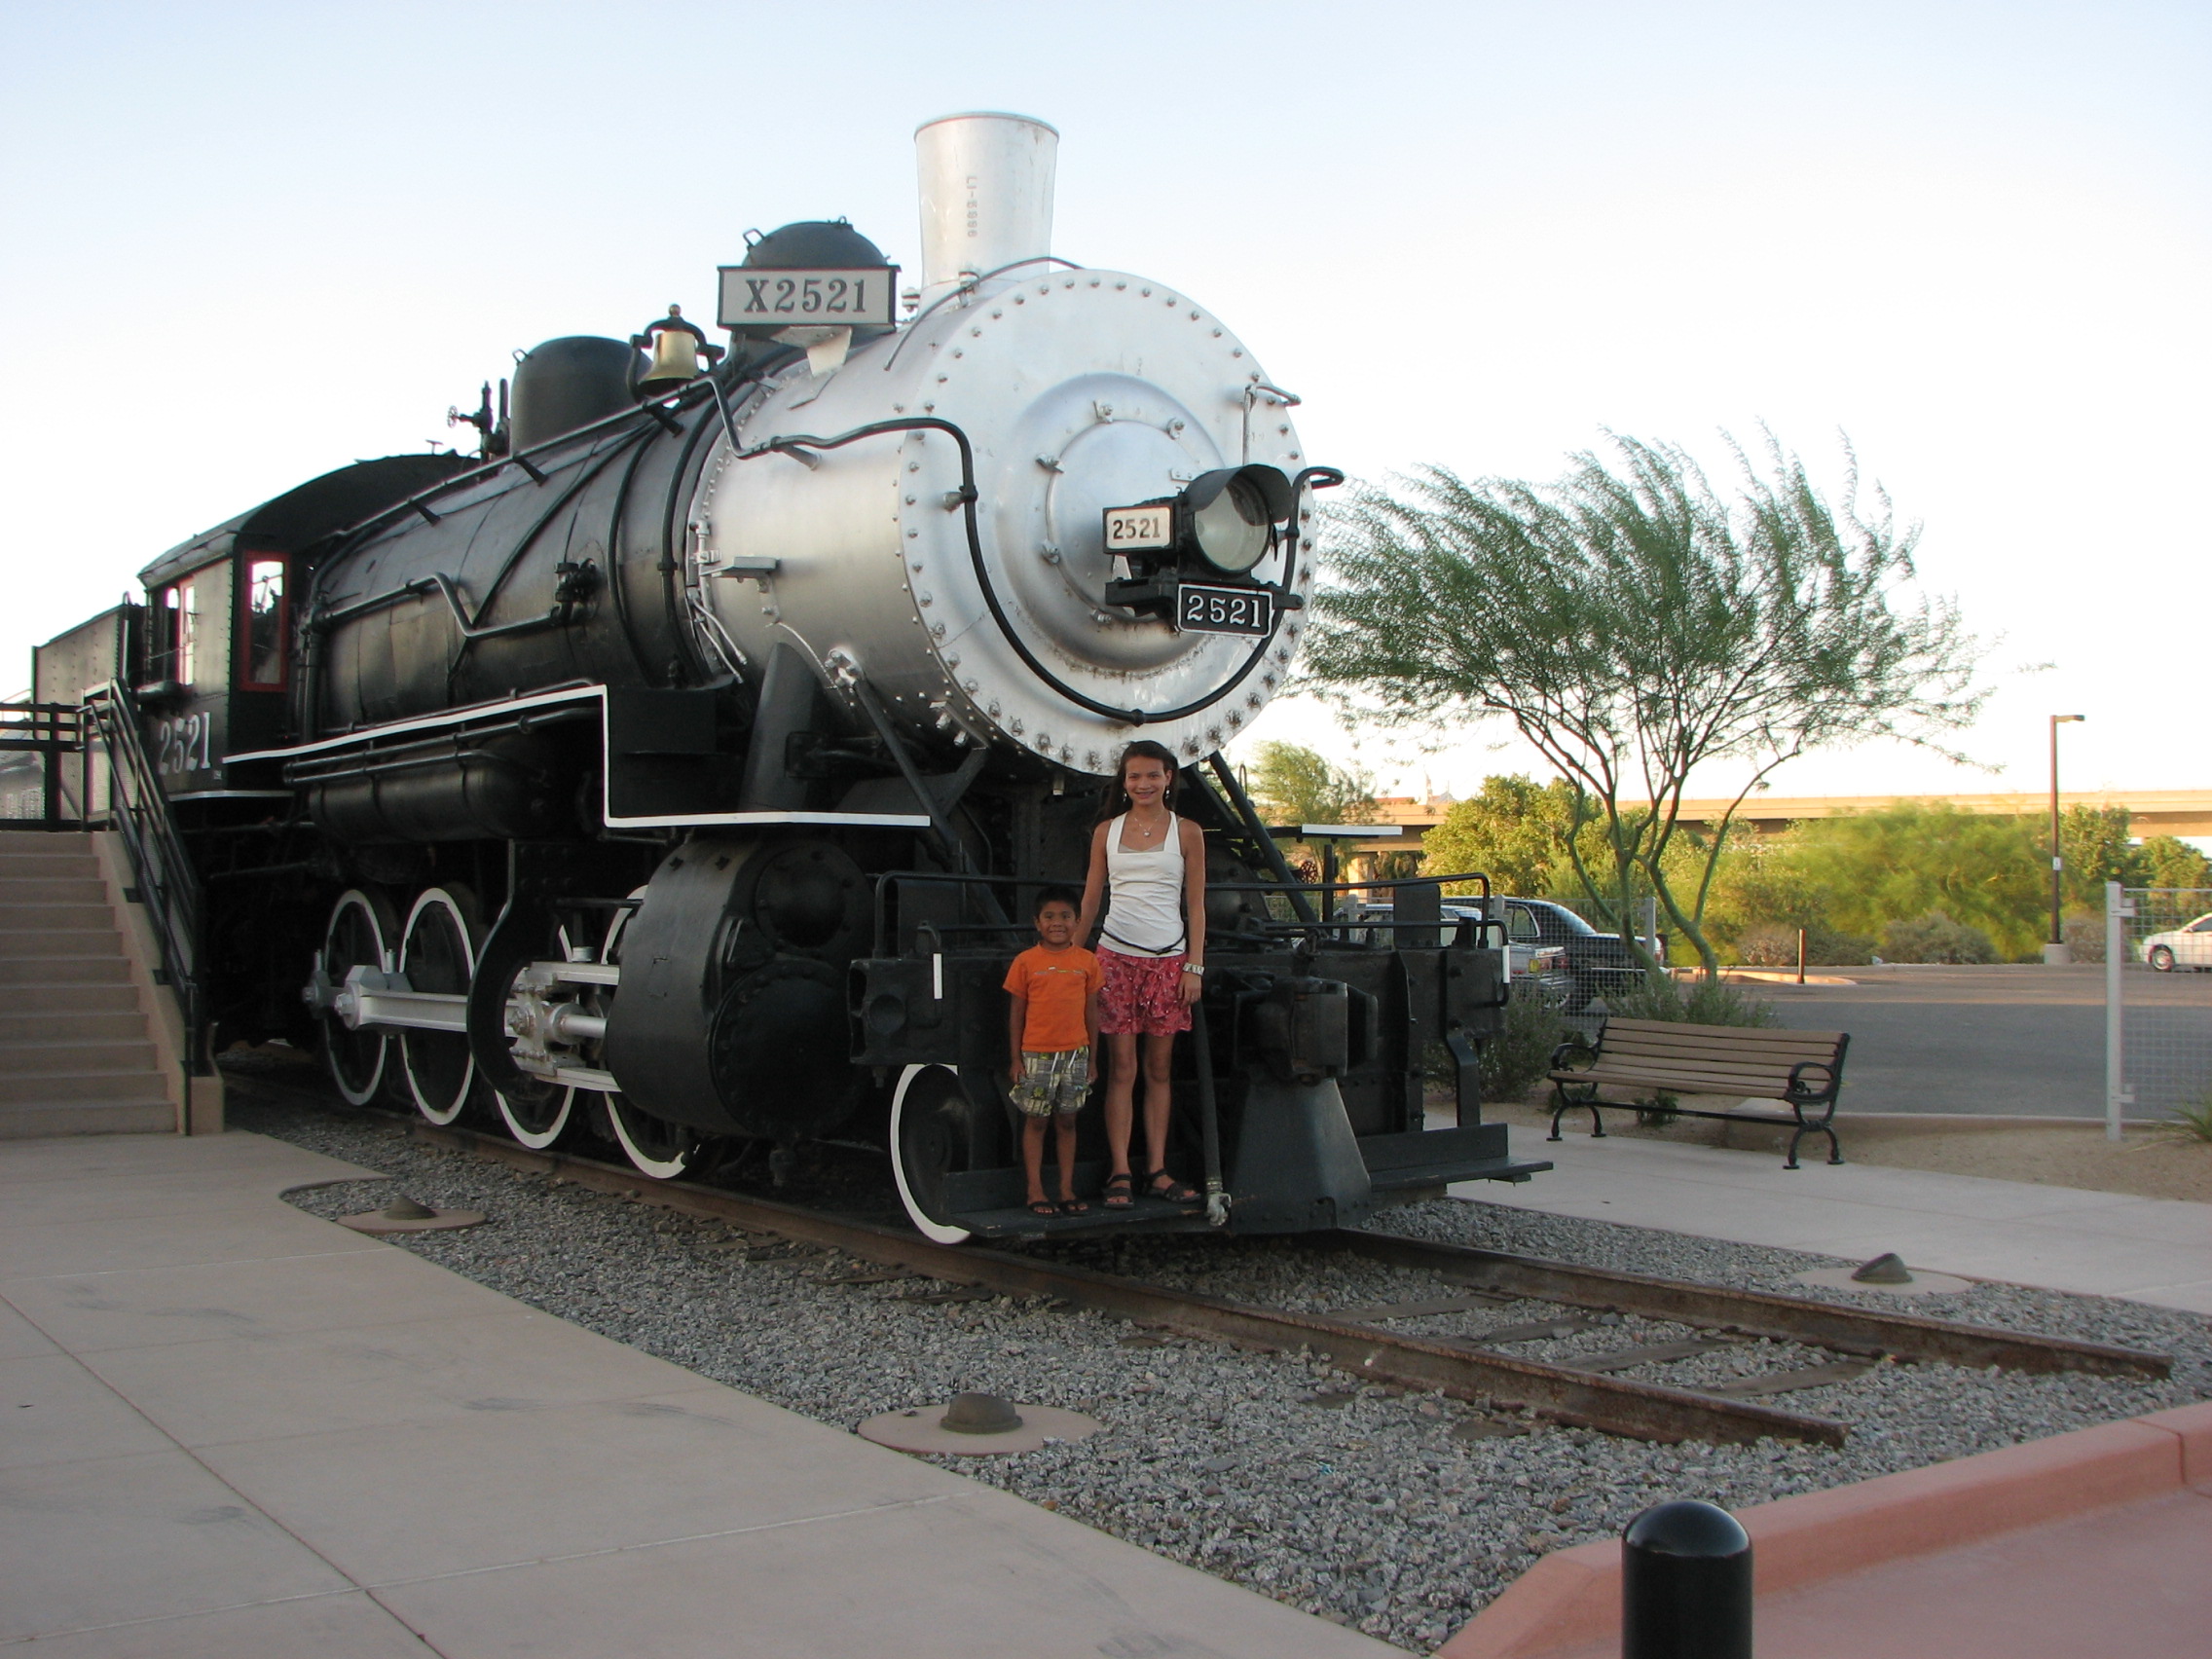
{"x": 2157, "y": 950}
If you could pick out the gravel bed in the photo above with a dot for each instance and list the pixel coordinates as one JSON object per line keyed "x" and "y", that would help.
{"x": 1399, "y": 1513}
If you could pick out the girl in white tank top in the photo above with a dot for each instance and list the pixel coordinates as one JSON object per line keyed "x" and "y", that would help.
{"x": 1144, "y": 917}
{"x": 1146, "y": 891}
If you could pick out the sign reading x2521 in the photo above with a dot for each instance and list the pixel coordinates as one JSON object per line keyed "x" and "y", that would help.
{"x": 753, "y": 295}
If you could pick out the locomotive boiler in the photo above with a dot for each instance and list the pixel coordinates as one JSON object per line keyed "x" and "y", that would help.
{"x": 678, "y": 768}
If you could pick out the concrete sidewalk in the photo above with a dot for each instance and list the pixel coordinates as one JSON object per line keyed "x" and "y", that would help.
{"x": 2089, "y": 1542}
{"x": 2154, "y": 1250}
{"x": 229, "y": 1428}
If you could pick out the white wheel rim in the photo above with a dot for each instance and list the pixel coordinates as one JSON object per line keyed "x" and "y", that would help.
{"x": 936, "y": 1232}
{"x": 355, "y": 899}
{"x": 659, "y": 1169}
{"x": 437, "y": 899}
{"x": 537, "y": 1140}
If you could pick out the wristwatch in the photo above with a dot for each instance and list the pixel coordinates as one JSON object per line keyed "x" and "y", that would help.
{"x": 1198, "y": 968}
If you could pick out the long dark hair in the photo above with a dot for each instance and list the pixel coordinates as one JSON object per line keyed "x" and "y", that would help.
{"x": 1114, "y": 800}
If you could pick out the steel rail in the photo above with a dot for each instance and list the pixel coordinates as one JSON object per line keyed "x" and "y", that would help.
{"x": 1646, "y": 1411}
{"x": 1753, "y": 1312}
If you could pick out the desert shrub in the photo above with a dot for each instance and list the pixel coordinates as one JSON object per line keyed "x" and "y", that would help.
{"x": 2086, "y": 936}
{"x": 1515, "y": 1059}
{"x": 1935, "y": 937}
{"x": 1696, "y": 1001}
{"x": 1768, "y": 946}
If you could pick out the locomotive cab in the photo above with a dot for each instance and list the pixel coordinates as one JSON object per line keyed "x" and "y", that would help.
{"x": 216, "y": 648}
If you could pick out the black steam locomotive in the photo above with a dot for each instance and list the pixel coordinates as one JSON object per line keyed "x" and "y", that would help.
{"x": 680, "y": 766}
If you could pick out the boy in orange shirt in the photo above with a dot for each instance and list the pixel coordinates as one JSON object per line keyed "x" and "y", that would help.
{"x": 1052, "y": 1028}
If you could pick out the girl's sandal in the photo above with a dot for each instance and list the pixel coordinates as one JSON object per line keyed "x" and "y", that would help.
{"x": 1120, "y": 1191}
{"x": 1044, "y": 1207}
{"x": 1074, "y": 1207}
{"x": 1175, "y": 1192}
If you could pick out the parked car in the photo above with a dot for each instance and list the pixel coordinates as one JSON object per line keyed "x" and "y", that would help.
{"x": 1561, "y": 943}
{"x": 2188, "y": 947}
{"x": 1543, "y": 942}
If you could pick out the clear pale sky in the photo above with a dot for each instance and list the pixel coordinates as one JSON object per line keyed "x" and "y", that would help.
{"x": 240, "y": 244}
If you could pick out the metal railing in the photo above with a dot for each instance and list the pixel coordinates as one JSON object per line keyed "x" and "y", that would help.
{"x": 167, "y": 885}
{"x": 38, "y": 741}
{"x": 1349, "y": 927}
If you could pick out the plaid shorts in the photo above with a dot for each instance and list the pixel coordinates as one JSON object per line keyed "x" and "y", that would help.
{"x": 1054, "y": 1083}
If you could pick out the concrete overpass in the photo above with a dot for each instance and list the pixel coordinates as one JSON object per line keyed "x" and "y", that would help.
{"x": 2150, "y": 812}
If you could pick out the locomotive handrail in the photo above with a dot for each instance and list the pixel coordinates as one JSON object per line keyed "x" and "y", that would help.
{"x": 138, "y": 810}
{"x": 1319, "y": 926}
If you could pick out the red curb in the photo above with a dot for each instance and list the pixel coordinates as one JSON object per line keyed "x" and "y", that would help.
{"x": 1570, "y": 1600}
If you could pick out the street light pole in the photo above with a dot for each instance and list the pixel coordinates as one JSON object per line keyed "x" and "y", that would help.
{"x": 2055, "y": 951}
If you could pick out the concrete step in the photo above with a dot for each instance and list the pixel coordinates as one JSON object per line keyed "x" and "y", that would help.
{"x": 142, "y": 1116}
{"x": 24, "y": 1029}
{"x": 60, "y": 1058}
{"x": 109, "y": 968}
{"x": 20, "y": 917}
{"x": 18, "y": 1089}
{"x": 46, "y": 855}
{"x": 51, "y": 889}
{"x": 48, "y": 998}
{"x": 18, "y": 943}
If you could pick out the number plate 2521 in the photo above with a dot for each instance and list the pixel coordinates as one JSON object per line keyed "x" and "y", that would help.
{"x": 1221, "y": 610}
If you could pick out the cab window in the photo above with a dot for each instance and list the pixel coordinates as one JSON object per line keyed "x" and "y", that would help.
{"x": 1519, "y": 926}
{"x": 262, "y": 661}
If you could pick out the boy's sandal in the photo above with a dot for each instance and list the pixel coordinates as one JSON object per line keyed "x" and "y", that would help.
{"x": 1074, "y": 1207}
{"x": 1120, "y": 1191}
{"x": 1175, "y": 1192}
{"x": 1042, "y": 1206}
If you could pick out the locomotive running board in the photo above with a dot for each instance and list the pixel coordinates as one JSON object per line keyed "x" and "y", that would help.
{"x": 1436, "y": 1157}
{"x": 510, "y": 707}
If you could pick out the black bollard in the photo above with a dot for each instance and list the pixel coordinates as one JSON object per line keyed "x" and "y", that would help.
{"x": 1685, "y": 1584}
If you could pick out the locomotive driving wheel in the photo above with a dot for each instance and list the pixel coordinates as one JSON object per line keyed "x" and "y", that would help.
{"x": 361, "y": 925}
{"x": 437, "y": 952}
{"x": 536, "y": 1111}
{"x": 653, "y": 1146}
{"x": 928, "y": 1141}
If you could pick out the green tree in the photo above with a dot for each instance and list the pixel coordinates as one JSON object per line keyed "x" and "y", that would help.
{"x": 2166, "y": 861}
{"x": 1514, "y": 832}
{"x": 1918, "y": 858}
{"x": 2097, "y": 849}
{"x": 1291, "y": 785}
{"x": 1634, "y": 624}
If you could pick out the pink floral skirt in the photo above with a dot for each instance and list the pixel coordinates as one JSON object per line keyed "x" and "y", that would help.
{"x": 1142, "y": 994}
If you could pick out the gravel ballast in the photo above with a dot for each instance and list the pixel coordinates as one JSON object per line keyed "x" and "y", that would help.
{"x": 1399, "y": 1513}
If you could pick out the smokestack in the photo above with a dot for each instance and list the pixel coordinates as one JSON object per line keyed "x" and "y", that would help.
{"x": 986, "y": 192}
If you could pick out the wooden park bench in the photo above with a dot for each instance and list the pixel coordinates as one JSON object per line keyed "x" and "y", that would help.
{"x": 1661, "y": 1059}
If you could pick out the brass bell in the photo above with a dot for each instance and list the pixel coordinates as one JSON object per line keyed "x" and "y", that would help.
{"x": 677, "y": 347}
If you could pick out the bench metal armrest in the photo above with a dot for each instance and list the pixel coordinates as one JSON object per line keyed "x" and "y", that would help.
{"x": 1796, "y": 1089}
{"x": 1569, "y": 1050}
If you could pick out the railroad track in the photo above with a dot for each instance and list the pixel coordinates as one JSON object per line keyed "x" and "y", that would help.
{"x": 1587, "y": 1390}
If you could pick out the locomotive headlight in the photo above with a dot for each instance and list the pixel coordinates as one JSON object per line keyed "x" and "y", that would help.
{"x": 1232, "y": 514}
